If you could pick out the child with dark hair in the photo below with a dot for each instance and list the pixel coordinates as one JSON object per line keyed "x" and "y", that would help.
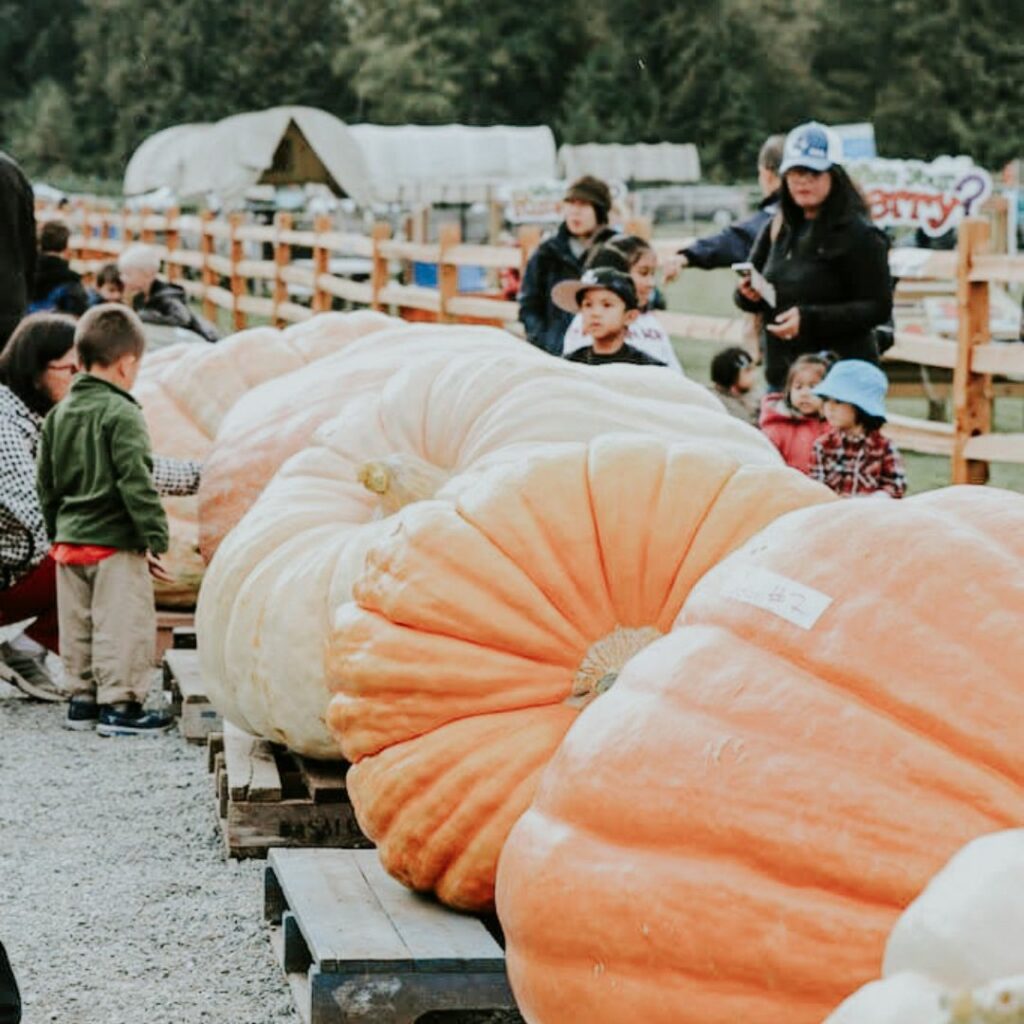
{"x": 56, "y": 287}
{"x": 855, "y": 457}
{"x": 734, "y": 382}
{"x": 607, "y": 300}
{"x": 108, "y": 528}
{"x": 793, "y": 420}
{"x": 633, "y": 255}
{"x": 109, "y": 286}
{"x": 586, "y": 208}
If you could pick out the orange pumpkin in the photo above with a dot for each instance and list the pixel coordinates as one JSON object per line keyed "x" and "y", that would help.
{"x": 483, "y": 624}
{"x": 730, "y": 834}
{"x": 272, "y": 589}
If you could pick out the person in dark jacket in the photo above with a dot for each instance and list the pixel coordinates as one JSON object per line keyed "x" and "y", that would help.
{"x": 17, "y": 244}
{"x": 733, "y": 244}
{"x": 56, "y": 288}
{"x": 827, "y": 263}
{"x": 158, "y": 302}
{"x": 10, "y": 998}
{"x": 587, "y": 204}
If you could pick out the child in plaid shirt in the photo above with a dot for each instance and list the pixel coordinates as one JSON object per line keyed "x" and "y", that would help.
{"x": 854, "y": 457}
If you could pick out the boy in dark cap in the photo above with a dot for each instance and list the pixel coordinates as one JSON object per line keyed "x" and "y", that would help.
{"x": 585, "y": 209}
{"x": 607, "y": 300}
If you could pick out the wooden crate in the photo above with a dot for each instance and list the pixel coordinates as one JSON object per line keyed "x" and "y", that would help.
{"x": 268, "y": 796}
{"x": 355, "y": 945}
{"x": 197, "y": 717}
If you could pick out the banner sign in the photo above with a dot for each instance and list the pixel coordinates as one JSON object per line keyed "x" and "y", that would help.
{"x": 934, "y": 196}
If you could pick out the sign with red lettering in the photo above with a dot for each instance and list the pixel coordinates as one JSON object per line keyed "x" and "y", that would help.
{"x": 932, "y": 196}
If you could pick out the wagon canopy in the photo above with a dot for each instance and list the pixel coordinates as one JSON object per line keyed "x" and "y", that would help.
{"x": 667, "y": 162}
{"x": 369, "y": 163}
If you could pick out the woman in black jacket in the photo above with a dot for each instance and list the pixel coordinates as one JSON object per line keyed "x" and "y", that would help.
{"x": 827, "y": 262}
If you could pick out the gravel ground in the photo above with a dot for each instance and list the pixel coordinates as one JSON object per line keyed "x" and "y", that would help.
{"x": 116, "y": 906}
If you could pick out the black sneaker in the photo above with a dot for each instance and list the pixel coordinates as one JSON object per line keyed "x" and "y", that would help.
{"x": 82, "y": 714}
{"x": 130, "y": 719}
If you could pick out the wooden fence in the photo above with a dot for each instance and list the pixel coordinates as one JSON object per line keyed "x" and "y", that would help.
{"x": 216, "y": 271}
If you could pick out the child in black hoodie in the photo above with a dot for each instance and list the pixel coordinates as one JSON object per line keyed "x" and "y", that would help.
{"x": 56, "y": 287}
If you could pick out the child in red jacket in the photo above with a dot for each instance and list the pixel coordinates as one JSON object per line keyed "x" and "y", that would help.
{"x": 793, "y": 421}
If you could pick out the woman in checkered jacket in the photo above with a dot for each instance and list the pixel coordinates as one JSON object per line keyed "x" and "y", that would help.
{"x": 36, "y": 369}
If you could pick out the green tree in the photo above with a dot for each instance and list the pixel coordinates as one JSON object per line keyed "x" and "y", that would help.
{"x": 41, "y": 130}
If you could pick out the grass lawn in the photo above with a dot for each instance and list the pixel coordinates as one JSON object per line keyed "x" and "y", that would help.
{"x": 709, "y": 293}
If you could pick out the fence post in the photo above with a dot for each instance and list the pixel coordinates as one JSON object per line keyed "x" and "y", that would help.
{"x": 972, "y": 394}
{"x": 282, "y": 257}
{"x": 321, "y": 264}
{"x": 173, "y": 238}
{"x": 146, "y": 233}
{"x": 379, "y": 274}
{"x": 450, "y": 236}
{"x": 126, "y": 231}
{"x": 529, "y": 239}
{"x": 238, "y": 317}
{"x": 208, "y": 276}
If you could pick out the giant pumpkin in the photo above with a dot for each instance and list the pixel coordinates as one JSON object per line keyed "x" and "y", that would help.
{"x": 730, "y": 833}
{"x": 277, "y": 579}
{"x": 273, "y": 422}
{"x": 185, "y": 391}
{"x": 482, "y": 625}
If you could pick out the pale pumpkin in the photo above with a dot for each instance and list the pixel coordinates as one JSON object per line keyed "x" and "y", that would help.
{"x": 730, "y": 833}
{"x": 185, "y": 391}
{"x": 481, "y": 626}
{"x": 273, "y": 587}
{"x": 956, "y": 954}
{"x": 271, "y": 423}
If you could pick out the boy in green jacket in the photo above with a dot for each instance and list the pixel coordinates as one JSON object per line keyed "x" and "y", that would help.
{"x": 108, "y": 529}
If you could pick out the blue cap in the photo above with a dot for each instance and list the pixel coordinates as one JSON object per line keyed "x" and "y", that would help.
{"x": 811, "y": 145}
{"x": 858, "y": 383}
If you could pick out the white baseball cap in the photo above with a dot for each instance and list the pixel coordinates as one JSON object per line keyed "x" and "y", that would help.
{"x": 811, "y": 145}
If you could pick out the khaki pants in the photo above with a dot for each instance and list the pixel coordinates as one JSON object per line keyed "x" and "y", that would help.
{"x": 107, "y": 624}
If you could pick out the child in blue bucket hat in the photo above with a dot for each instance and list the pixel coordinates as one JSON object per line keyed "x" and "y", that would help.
{"x": 854, "y": 457}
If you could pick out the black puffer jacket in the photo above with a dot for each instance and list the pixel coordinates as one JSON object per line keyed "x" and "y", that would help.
{"x": 554, "y": 261}
{"x": 17, "y": 244}
{"x": 837, "y": 276}
{"x": 56, "y": 286}
{"x": 167, "y": 304}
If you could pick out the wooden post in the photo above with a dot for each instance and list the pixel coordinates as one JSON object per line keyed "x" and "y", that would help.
{"x": 640, "y": 226}
{"x": 146, "y": 233}
{"x": 173, "y": 243}
{"x": 208, "y": 276}
{"x": 321, "y": 264}
{"x": 379, "y": 275}
{"x": 126, "y": 231}
{"x": 972, "y": 398}
{"x": 282, "y": 257}
{"x": 238, "y": 317}
{"x": 447, "y": 273}
{"x": 529, "y": 239}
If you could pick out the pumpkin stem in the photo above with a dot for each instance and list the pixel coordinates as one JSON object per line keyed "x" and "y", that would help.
{"x": 603, "y": 661}
{"x": 400, "y": 480}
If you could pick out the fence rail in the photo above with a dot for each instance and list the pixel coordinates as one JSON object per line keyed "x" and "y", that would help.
{"x": 227, "y": 277}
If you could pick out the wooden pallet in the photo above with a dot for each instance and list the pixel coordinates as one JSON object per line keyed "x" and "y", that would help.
{"x": 268, "y": 796}
{"x": 197, "y": 717}
{"x": 356, "y": 946}
{"x": 167, "y": 623}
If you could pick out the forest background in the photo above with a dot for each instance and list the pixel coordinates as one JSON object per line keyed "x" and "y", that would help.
{"x": 81, "y": 84}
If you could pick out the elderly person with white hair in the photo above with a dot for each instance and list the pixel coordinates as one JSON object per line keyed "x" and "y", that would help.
{"x": 156, "y": 301}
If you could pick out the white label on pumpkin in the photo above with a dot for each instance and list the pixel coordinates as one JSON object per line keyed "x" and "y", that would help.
{"x": 792, "y": 601}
